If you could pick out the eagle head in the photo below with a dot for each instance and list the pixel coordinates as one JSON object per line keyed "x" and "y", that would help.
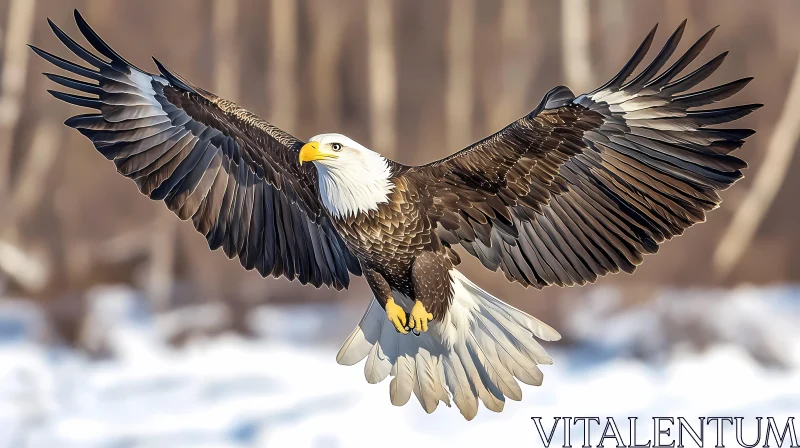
{"x": 352, "y": 178}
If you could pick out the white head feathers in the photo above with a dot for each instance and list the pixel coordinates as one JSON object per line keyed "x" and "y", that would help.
{"x": 355, "y": 182}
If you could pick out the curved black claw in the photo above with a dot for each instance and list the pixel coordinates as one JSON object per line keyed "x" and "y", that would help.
{"x": 408, "y": 322}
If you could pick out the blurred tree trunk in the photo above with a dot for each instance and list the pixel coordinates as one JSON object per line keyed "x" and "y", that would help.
{"x": 330, "y": 22}
{"x": 459, "y": 99}
{"x": 767, "y": 183}
{"x": 159, "y": 281}
{"x": 98, "y": 11}
{"x": 35, "y": 168}
{"x": 576, "y": 58}
{"x": 615, "y": 16}
{"x": 382, "y": 77}
{"x": 677, "y": 11}
{"x": 521, "y": 50}
{"x": 226, "y": 53}
{"x": 283, "y": 63}
{"x": 28, "y": 270}
{"x": 33, "y": 272}
{"x": 19, "y": 29}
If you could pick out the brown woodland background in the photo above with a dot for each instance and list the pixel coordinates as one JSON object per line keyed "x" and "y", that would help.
{"x": 413, "y": 79}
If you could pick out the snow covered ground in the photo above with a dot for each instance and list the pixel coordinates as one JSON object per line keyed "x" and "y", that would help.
{"x": 288, "y": 391}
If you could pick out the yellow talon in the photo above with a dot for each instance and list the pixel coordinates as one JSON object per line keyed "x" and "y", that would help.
{"x": 419, "y": 317}
{"x": 396, "y": 315}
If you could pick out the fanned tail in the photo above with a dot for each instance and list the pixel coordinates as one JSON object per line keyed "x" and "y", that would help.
{"x": 479, "y": 351}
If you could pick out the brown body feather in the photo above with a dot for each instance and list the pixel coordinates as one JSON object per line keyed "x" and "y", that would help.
{"x": 396, "y": 245}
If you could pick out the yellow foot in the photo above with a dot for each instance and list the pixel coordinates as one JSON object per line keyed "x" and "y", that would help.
{"x": 396, "y": 315}
{"x": 419, "y": 317}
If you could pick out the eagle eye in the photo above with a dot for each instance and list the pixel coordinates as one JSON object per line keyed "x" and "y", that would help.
{"x": 336, "y": 146}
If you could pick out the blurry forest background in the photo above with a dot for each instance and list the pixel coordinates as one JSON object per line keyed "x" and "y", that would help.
{"x": 413, "y": 79}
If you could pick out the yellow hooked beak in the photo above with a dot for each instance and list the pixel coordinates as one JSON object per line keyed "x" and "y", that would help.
{"x": 311, "y": 152}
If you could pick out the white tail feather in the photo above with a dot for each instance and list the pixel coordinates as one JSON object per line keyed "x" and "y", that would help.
{"x": 479, "y": 350}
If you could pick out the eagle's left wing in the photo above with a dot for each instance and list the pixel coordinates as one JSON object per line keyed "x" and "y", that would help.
{"x": 584, "y": 186}
{"x": 236, "y": 176}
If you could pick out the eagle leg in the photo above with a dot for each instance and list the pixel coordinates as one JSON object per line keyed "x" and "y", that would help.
{"x": 396, "y": 315}
{"x": 433, "y": 289}
{"x": 418, "y": 318}
{"x": 383, "y": 292}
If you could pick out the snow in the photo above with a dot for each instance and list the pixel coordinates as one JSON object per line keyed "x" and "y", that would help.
{"x": 284, "y": 389}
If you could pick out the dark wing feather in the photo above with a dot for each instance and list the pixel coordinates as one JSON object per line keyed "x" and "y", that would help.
{"x": 584, "y": 186}
{"x": 236, "y": 176}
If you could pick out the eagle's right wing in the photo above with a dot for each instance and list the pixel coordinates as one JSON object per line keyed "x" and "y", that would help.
{"x": 236, "y": 176}
{"x": 583, "y": 186}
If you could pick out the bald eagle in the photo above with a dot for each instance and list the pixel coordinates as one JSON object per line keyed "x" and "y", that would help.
{"x": 580, "y": 187}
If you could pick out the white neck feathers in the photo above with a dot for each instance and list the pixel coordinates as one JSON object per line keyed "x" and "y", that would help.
{"x": 355, "y": 185}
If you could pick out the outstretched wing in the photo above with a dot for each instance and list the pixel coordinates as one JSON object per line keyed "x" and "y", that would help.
{"x": 236, "y": 176}
{"x": 584, "y": 186}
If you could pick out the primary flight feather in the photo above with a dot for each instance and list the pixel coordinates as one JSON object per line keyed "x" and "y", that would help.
{"x": 580, "y": 187}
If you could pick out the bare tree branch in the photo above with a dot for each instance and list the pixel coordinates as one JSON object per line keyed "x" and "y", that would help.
{"x": 25, "y": 268}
